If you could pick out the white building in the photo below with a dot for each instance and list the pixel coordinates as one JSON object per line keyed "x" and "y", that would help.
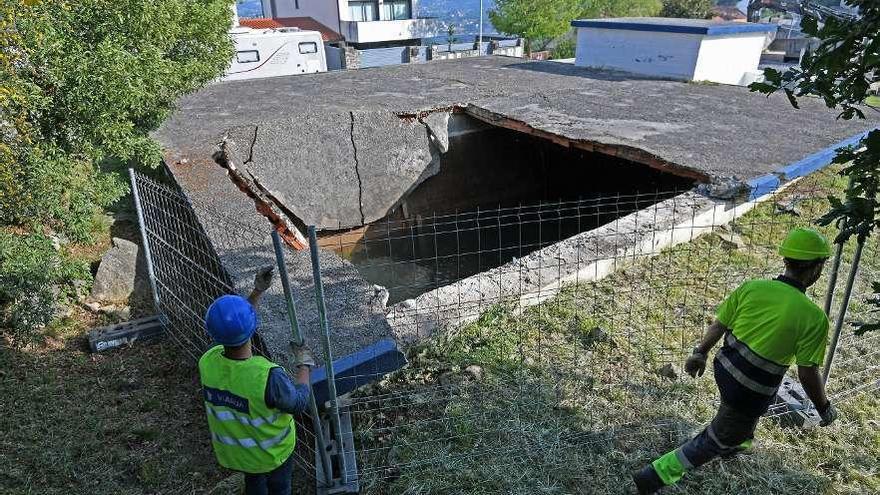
{"x": 363, "y": 23}
{"x": 687, "y": 49}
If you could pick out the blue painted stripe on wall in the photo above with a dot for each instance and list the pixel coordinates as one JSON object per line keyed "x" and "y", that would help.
{"x": 819, "y": 160}
{"x": 721, "y": 29}
{"x": 365, "y": 366}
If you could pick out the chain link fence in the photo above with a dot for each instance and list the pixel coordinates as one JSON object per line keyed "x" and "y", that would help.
{"x": 545, "y": 341}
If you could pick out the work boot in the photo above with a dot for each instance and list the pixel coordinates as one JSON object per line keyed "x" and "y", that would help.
{"x": 647, "y": 481}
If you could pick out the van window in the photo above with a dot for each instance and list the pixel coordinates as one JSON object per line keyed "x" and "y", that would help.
{"x": 247, "y": 57}
{"x": 310, "y": 47}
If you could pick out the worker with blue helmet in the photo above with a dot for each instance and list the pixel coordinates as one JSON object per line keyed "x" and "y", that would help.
{"x": 249, "y": 400}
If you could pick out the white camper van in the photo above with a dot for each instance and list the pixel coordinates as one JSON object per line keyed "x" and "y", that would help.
{"x": 275, "y": 52}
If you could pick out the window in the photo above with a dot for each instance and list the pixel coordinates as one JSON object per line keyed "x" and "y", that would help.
{"x": 363, "y": 10}
{"x": 247, "y": 57}
{"x": 395, "y": 10}
{"x": 310, "y": 47}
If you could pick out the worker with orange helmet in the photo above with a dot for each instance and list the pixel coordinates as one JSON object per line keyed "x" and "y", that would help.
{"x": 767, "y": 326}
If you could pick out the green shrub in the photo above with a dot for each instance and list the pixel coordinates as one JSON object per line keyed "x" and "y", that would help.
{"x": 35, "y": 280}
{"x": 82, "y": 84}
{"x": 565, "y": 48}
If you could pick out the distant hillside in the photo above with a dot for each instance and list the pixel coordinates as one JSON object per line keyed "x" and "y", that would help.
{"x": 463, "y": 15}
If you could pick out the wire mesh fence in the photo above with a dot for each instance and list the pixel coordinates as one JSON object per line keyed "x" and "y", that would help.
{"x": 545, "y": 340}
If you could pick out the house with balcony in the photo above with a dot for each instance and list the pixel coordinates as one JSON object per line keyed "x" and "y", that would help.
{"x": 364, "y": 24}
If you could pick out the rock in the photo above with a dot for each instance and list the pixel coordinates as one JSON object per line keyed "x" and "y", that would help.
{"x": 122, "y": 314}
{"x": 732, "y": 240}
{"x": 669, "y": 371}
{"x": 116, "y": 273}
{"x": 474, "y": 372}
{"x": 787, "y": 208}
{"x": 94, "y": 307}
{"x": 596, "y": 335}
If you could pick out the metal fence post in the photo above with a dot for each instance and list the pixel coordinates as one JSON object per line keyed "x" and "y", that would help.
{"x": 144, "y": 240}
{"x": 838, "y": 326}
{"x": 328, "y": 353}
{"x": 298, "y": 340}
{"x": 832, "y": 279}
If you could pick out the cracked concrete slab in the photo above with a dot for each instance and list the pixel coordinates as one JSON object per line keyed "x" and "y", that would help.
{"x": 327, "y": 147}
{"x": 304, "y": 152}
{"x": 388, "y": 171}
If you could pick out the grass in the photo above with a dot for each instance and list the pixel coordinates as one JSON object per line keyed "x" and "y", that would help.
{"x": 556, "y": 406}
{"x": 129, "y": 421}
{"x": 126, "y": 422}
{"x": 873, "y": 101}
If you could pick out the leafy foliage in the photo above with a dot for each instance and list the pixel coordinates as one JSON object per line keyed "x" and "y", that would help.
{"x": 82, "y": 84}
{"x": 689, "y": 9}
{"x": 840, "y": 72}
{"x": 541, "y": 21}
{"x": 535, "y": 20}
{"x": 34, "y": 280}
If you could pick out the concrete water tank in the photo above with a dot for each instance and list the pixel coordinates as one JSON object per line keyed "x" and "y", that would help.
{"x": 687, "y": 49}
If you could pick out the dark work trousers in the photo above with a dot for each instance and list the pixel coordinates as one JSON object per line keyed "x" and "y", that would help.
{"x": 275, "y": 482}
{"x": 729, "y": 432}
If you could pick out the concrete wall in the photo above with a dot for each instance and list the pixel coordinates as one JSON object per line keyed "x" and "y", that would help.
{"x": 725, "y": 59}
{"x": 662, "y": 54}
{"x": 335, "y": 57}
{"x": 729, "y": 59}
{"x": 324, "y": 11}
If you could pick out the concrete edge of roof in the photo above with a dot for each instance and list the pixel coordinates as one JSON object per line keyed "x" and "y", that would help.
{"x": 707, "y": 30}
{"x": 770, "y": 182}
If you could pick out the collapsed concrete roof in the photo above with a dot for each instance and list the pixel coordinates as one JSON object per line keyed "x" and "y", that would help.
{"x": 340, "y": 149}
{"x": 340, "y": 135}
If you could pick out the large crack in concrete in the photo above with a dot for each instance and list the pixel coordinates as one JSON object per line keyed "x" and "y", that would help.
{"x": 357, "y": 172}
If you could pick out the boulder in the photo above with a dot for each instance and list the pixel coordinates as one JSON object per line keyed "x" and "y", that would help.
{"x": 116, "y": 273}
{"x": 669, "y": 371}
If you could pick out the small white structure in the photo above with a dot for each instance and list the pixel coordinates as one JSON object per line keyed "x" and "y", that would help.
{"x": 263, "y": 53}
{"x": 688, "y": 49}
{"x": 379, "y": 23}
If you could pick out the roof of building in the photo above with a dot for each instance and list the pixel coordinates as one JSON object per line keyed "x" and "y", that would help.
{"x": 304, "y": 23}
{"x": 327, "y": 147}
{"x": 707, "y": 27}
{"x": 727, "y": 13}
{"x": 298, "y": 131}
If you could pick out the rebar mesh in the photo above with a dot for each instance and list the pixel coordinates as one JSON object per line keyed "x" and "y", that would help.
{"x": 542, "y": 338}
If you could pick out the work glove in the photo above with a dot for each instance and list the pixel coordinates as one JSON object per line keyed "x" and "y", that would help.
{"x": 828, "y": 413}
{"x": 302, "y": 356}
{"x": 695, "y": 364}
{"x": 263, "y": 279}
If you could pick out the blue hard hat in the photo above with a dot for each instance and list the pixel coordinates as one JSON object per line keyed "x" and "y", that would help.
{"x": 231, "y": 320}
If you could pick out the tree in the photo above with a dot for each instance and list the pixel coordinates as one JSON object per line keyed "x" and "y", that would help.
{"x": 538, "y": 21}
{"x": 688, "y": 9}
{"x": 542, "y": 21}
{"x": 82, "y": 84}
{"x": 840, "y": 72}
{"x": 85, "y": 82}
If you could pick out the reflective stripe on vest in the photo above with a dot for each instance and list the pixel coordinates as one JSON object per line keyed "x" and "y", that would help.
{"x": 233, "y": 416}
{"x": 250, "y": 443}
{"x": 247, "y": 435}
{"x": 753, "y": 358}
{"x": 744, "y": 380}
